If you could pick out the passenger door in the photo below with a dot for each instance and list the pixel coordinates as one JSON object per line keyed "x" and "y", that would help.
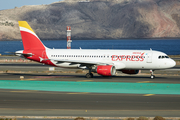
{"x": 149, "y": 57}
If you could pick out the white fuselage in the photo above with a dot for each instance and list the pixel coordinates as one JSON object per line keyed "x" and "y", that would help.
{"x": 121, "y": 59}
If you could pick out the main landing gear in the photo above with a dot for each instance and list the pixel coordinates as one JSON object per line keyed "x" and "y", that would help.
{"x": 152, "y": 76}
{"x": 89, "y": 75}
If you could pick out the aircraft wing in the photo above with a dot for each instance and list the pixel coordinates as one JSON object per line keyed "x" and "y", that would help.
{"x": 118, "y": 65}
{"x": 85, "y": 63}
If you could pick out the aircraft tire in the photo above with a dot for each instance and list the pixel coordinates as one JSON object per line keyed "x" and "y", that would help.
{"x": 152, "y": 77}
{"x": 88, "y": 75}
{"x": 91, "y": 75}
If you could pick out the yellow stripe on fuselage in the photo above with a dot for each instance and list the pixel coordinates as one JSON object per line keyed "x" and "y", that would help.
{"x": 25, "y": 25}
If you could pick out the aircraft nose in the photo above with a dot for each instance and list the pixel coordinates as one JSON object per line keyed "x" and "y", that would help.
{"x": 172, "y": 63}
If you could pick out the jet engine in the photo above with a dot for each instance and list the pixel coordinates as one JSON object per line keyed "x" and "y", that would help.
{"x": 130, "y": 71}
{"x": 105, "y": 70}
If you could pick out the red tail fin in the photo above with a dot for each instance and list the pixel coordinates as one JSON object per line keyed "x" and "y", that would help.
{"x": 29, "y": 38}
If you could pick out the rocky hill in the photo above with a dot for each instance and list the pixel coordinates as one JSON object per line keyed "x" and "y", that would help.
{"x": 96, "y": 19}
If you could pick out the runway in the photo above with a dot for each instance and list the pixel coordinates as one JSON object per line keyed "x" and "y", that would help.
{"x": 85, "y": 103}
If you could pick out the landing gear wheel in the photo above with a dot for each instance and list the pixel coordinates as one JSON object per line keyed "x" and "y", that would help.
{"x": 89, "y": 75}
{"x": 152, "y": 76}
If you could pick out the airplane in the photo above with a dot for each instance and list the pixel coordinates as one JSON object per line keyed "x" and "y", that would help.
{"x": 103, "y": 62}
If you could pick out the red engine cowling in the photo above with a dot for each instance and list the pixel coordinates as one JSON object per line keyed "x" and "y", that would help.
{"x": 130, "y": 71}
{"x": 106, "y": 70}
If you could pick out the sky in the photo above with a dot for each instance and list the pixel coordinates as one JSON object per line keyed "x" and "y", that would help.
{"x": 10, "y": 4}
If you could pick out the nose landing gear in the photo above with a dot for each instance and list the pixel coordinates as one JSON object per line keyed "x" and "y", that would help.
{"x": 152, "y": 76}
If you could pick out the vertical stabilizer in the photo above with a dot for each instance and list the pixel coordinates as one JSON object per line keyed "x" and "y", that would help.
{"x": 29, "y": 38}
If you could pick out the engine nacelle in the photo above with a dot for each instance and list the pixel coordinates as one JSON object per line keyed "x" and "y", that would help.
{"x": 130, "y": 71}
{"x": 106, "y": 70}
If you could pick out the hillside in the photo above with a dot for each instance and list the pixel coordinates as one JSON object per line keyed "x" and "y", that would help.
{"x": 96, "y": 19}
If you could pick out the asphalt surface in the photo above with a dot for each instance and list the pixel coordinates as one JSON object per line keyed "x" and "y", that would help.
{"x": 45, "y": 103}
{"x": 38, "y": 103}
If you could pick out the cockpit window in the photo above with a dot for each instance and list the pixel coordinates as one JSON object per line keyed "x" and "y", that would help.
{"x": 162, "y": 57}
